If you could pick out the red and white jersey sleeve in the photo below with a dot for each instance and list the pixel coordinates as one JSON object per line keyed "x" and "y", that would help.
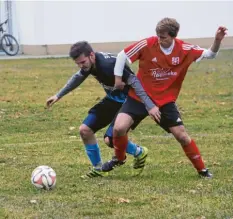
{"x": 196, "y": 52}
{"x": 133, "y": 52}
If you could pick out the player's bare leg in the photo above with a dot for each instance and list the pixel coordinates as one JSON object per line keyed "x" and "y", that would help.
{"x": 122, "y": 145}
{"x": 120, "y": 141}
{"x": 191, "y": 150}
{"x": 87, "y": 135}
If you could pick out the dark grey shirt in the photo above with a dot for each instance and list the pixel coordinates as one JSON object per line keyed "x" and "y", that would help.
{"x": 103, "y": 72}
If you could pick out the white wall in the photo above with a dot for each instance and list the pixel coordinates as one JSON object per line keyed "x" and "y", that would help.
{"x": 3, "y": 15}
{"x": 26, "y": 12}
{"x": 64, "y": 22}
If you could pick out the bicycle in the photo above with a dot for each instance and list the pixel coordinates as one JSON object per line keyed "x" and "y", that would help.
{"x": 8, "y": 43}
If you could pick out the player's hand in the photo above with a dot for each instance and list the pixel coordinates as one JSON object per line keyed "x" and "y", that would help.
{"x": 220, "y": 34}
{"x": 119, "y": 84}
{"x": 155, "y": 114}
{"x": 51, "y": 101}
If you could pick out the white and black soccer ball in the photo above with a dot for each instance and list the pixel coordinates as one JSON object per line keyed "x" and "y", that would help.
{"x": 43, "y": 177}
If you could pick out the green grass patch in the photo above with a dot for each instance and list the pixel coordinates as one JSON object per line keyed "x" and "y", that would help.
{"x": 169, "y": 187}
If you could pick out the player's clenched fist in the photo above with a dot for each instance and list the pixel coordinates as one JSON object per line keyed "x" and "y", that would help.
{"x": 221, "y": 32}
{"x": 51, "y": 101}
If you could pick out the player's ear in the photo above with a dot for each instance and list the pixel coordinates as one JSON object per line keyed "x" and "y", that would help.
{"x": 92, "y": 56}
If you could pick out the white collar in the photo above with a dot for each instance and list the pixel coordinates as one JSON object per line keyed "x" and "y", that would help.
{"x": 168, "y": 51}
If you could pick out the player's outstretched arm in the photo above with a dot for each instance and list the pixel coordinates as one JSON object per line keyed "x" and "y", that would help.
{"x": 51, "y": 100}
{"x": 219, "y": 36}
{"x": 72, "y": 83}
{"x": 212, "y": 52}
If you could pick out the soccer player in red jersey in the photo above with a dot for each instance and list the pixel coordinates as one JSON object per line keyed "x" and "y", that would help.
{"x": 163, "y": 64}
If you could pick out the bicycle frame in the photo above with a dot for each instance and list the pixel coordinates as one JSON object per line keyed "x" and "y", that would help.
{"x": 8, "y": 43}
{"x": 2, "y": 31}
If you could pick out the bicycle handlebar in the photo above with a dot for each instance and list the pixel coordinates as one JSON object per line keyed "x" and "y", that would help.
{"x": 4, "y": 22}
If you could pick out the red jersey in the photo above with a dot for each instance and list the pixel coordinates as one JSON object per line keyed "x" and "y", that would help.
{"x": 161, "y": 75}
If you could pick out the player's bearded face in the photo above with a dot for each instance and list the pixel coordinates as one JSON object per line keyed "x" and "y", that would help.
{"x": 85, "y": 62}
{"x": 165, "y": 40}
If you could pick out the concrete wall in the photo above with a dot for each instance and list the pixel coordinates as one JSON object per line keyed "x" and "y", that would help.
{"x": 50, "y": 27}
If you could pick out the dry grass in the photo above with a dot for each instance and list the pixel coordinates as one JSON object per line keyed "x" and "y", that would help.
{"x": 169, "y": 187}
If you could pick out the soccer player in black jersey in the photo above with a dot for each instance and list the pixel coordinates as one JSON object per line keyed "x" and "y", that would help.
{"x": 101, "y": 66}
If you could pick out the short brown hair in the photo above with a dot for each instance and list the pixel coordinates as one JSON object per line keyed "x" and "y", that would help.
{"x": 169, "y": 25}
{"x": 79, "y": 48}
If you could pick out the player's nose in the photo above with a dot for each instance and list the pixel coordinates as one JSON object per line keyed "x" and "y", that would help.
{"x": 80, "y": 65}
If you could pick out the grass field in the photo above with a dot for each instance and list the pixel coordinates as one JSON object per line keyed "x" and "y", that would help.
{"x": 169, "y": 186}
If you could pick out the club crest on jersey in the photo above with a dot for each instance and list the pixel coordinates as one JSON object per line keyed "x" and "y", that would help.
{"x": 175, "y": 60}
{"x": 154, "y": 59}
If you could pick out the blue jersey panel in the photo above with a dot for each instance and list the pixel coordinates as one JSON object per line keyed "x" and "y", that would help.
{"x": 116, "y": 95}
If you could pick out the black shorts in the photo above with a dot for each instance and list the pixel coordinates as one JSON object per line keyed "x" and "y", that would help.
{"x": 170, "y": 115}
{"x": 102, "y": 114}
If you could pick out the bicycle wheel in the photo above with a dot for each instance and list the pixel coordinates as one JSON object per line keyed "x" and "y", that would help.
{"x": 9, "y": 45}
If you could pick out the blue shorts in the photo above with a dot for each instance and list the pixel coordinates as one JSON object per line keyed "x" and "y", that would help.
{"x": 103, "y": 114}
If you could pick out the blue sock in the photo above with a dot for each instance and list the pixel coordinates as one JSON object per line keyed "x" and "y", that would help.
{"x": 133, "y": 149}
{"x": 93, "y": 152}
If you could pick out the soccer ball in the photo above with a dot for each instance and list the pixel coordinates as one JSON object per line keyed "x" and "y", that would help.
{"x": 43, "y": 177}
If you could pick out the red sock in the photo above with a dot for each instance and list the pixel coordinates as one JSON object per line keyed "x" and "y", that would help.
{"x": 120, "y": 145}
{"x": 194, "y": 155}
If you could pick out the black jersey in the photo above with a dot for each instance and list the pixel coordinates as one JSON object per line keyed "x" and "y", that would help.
{"x": 103, "y": 72}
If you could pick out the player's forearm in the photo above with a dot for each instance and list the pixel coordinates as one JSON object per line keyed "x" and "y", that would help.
{"x": 212, "y": 52}
{"x": 219, "y": 36}
{"x": 120, "y": 64}
{"x": 73, "y": 83}
{"x": 140, "y": 92}
{"x": 216, "y": 45}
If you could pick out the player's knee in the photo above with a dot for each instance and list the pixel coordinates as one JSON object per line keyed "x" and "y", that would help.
{"x": 184, "y": 139}
{"x": 108, "y": 141}
{"x": 119, "y": 130}
{"x": 85, "y": 131}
